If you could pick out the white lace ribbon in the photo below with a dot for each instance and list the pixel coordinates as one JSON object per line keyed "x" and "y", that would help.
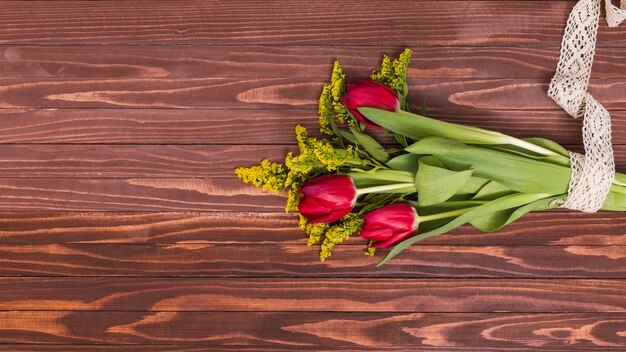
{"x": 594, "y": 172}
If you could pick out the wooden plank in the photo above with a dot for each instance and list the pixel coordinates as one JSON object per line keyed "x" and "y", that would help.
{"x": 131, "y": 161}
{"x": 575, "y": 331}
{"x": 150, "y": 161}
{"x": 135, "y": 194}
{"x": 306, "y": 295}
{"x": 272, "y": 126}
{"x": 535, "y": 229}
{"x": 289, "y": 260}
{"x": 273, "y": 93}
{"x": 477, "y": 23}
{"x": 181, "y": 347}
{"x": 152, "y": 126}
{"x": 253, "y": 61}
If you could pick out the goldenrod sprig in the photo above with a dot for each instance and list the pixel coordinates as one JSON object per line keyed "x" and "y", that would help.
{"x": 370, "y": 251}
{"x": 338, "y": 232}
{"x": 268, "y": 175}
{"x": 392, "y": 73}
{"x": 331, "y": 111}
{"x": 314, "y": 231}
{"x": 317, "y": 156}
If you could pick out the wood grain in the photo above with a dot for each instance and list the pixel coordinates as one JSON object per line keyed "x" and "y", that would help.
{"x": 243, "y": 228}
{"x": 272, "y": 126}
{"x": 135, "y": 194}
{"x": 131, "y": 161}
{"x": 307, "y": 295}
{"x": 575, "y": 331}
{"x": 122, "y": 227}
{"x": 153, "y": 161}
{"x": 476, "y": 23}
{"x": 182, "y": 347}
{"x": 271, "y": 93}
{"x": 254, "y": 61}
{"x": 287, "y": 260}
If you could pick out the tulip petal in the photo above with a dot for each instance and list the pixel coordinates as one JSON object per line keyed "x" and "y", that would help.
{"x": 394, "y": 240}
{"x": 331, "y": 190}
{"x": 329, "y": 217}
{"x": 398, "y": 216}
{"x": 378, "y": 234}
{"x": 310, "y": 206}
{"x": 369, "y": 94}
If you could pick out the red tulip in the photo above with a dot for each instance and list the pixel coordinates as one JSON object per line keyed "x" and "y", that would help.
{"x": 327, "y": 198}
{"x": 390, "y": 225}
{"x": 372, "y": 95}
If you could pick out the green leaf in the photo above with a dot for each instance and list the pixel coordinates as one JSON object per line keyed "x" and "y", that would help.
{"x": 404, "y": 162}
{"x": 445, "y": 206}
{"x": 370, "y": 145}
{"x": 548, "y": 144}
{"x": 492, "y": 221}
{"x": 492, "y": 190}
{"x": 400, "y": 139}
{"x": 506, "y": 202}
{"x": 345, "y": 135}
{"x": 363, "y": 179}
{"x": 615, "y": 201}
{"x": 418, "y": 126}
{"x": 473, "y": 186}
{"x": 518, "y": 173}
{"x": 435, "y": 183}
{"x": 498, "y": 219}
{"x": 514, "y": 150}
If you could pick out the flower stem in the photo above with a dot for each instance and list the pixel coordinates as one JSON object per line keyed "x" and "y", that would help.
{"x": 447, "y": 214}
{"x": 383, "y": 175}
{"x": 384, "y": 188}
{"x": 531, "y": 147}
{"x": 417, "y": 127}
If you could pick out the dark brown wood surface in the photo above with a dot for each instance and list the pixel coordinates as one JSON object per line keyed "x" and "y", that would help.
{"x": 123, "y": 228}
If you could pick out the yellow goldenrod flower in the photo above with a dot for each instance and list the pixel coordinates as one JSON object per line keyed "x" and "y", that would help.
{"x": 392, "y": 73}
{"x": 337, "y": 82}
{"x": 293, "y": 198}
{"x": 269, "y": 176}
{"x": 315, "y": 232}
{"x": 370, "y": 251}
{"x": 348, "y": 225}
{"x": 324, "y": 110}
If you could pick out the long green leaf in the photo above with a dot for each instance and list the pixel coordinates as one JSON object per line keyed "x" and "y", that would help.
{"x": 496, "y": 220}
{"x": 548, "y": 144}
{"x": 518, "y": 173}
{"x": 370, "y": 145}
{"x": 446, "y": 206}
{"x": 473, "y": 186}
{"x": 418, "y": 126}
{"x": 404, "y": 162}
{"x": 492, "y": 190}
{"x": 435, "y": 183}
{"x": 506, "y": 202}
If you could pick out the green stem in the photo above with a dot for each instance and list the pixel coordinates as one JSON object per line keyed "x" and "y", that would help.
{"x": 384, "y": 175}
{"x": 417, "y": 127}
{"x": 530, "y": 147}
{"x": 447, "y": 214}
{"x": 384, "y": 188}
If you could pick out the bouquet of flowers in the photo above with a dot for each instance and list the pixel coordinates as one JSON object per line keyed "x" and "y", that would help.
{"x": 440, "y": 176}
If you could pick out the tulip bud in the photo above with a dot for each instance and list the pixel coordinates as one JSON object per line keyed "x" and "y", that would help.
{"x": 327, "y": 198}
{"x": 372, "y": 95}
{"x": 390, "y": 225}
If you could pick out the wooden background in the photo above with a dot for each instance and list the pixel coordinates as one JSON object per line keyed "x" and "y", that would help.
{"x": 123, "y": 228}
